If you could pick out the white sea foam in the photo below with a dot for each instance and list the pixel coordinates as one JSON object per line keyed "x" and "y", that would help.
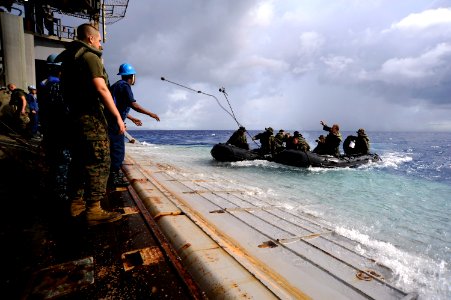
{"x": 310, "y": 210}
{"x": 412, "y": 272}
{"x": 250, "y": 163}
{"x": 394, "y": 159}
{"x": 153, "y": 146}
{"x": 335, "y": 196}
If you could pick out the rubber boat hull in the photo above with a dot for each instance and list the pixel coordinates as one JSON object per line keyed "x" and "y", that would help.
{"x": 225, "y": 152}
{"x": 230, "y": 153}
{"x": 309, "y": 159}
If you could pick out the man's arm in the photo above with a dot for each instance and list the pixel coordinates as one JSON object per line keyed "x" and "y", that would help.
{"x": 24, "y": 104}
{"x": 107, "y": 100}
{"x": 136, "y": 121}
{"x": 140, "y": 109}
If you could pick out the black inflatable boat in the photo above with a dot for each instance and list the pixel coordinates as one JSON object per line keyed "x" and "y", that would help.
{"x": 225, "y": 152}
{"x": 306, "y": 159}
{"x": 297, "y": 158}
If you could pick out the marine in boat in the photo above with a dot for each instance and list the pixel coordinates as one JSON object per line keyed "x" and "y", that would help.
{"x": 356, "y": 154}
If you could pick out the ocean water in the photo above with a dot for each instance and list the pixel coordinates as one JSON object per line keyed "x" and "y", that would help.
{"x": 399, "y": 209}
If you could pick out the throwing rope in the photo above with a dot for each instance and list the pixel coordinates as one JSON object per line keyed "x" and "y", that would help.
{"x": 222, "y": 90}
{"x": 200, "y": 92}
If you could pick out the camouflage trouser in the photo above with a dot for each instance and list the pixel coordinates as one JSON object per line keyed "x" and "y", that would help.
{"x": 90, "y": 165}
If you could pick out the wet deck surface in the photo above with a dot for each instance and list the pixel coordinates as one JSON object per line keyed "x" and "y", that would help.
{"x": 232, "y": 242}
{"x": 46, "y": 255}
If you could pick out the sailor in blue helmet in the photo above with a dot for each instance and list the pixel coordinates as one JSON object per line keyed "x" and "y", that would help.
{"x": 32, "y": 100}
{"x": 124, "y": 99}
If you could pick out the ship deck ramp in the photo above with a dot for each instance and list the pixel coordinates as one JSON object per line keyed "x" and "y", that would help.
{"x": 237, "y": 245}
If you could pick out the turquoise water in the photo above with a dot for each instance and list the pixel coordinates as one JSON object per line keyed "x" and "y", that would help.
{"x": 399, "y": 209}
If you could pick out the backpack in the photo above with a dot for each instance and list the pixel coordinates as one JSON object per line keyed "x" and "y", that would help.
{"x": 53, "y": 98}
{"x": 349, "y": 145}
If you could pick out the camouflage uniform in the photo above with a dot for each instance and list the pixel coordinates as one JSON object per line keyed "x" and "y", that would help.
{"x": 320, "y": 147}
{"x": 21, "y": 121}
{"x": 279, "y": 140}
{"x": 297, "y": 142}
{"x": 333, "y": 141}
{"x": 362, "y": 142}
{"x": 266, "y": 141}
{"x": 90, "y": 164}
{"x": 239, "y": 139}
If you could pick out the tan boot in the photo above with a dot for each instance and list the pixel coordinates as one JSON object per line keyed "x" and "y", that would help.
{"x": 95, "y": 215}
{"x": 77, "y": 206}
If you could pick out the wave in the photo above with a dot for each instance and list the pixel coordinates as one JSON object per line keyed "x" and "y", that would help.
{"x": 413, "y": 272}
{"x": 327, "y": 195}
{"x": 394, "y": 159}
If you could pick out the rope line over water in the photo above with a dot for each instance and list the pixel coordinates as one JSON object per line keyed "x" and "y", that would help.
{"x": 222, "y": 90}
{"x": 206, "y": 94}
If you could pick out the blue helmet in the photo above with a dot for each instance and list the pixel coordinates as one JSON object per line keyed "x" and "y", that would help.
{"x": 126, "y": 69}
{"x": 51, "y": 60}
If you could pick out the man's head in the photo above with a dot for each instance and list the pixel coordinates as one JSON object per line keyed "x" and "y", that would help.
{"x": 53, "y": 66}
{"x": 269, "y": 129}
{"x": 335, "y": 128}
{"x": 128, "y": 73}
{"x": 32, "y": 89}
{"x": 11, "y": 87}
{"x": 361, "y": 131}
{"x": 90, "y": 35}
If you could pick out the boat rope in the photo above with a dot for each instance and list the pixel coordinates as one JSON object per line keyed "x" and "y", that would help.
{"x": 222, "y": 90}
{"x": 206, "y": 94}
{"x": 16, "y": 136}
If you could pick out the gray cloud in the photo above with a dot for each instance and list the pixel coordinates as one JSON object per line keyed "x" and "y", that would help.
{"x": 377, "y": 64}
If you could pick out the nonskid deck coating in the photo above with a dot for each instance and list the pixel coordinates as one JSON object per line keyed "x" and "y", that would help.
{"x": 49, "y": 255}
{"x": 293, "y": 255}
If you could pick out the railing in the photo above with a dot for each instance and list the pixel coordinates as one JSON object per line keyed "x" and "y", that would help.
{"x": 61, "y": 31}
{"x": 67, "y": 32}
{"x": 53, "y": 26}
{"x": 41, "y": 20}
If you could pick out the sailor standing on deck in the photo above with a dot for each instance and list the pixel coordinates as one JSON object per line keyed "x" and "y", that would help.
{"x": 124, "y": 100}
{"x": 83, "y": 80}
{"x": 20, "y": 108}
{"x": 54, "y": 120}
{"x": 32, "y": 100}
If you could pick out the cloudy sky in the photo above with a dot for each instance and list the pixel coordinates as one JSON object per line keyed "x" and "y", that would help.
{"x": 378, "y": 64}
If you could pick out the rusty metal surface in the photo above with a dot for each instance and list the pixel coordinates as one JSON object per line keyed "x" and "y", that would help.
{"x": 44, "y": 247}
{"x": 169, "y": 251}
{"x": 63, "y": 279}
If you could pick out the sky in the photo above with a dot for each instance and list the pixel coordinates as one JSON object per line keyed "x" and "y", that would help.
{"x": 382, "y": 65}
